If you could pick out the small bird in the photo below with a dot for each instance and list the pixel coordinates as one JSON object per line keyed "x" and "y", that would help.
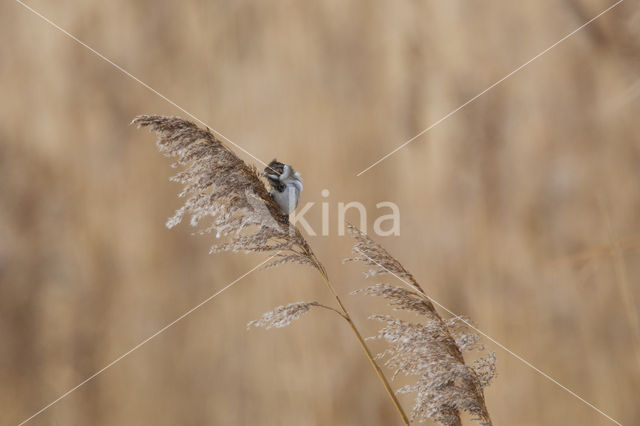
{"x": 286, "y": 185}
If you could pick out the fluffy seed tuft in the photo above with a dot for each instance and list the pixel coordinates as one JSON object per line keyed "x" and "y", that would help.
{"x": 430, "y": 349}
{"x": 282, "y": 316}
{"x": 225, "y": 195}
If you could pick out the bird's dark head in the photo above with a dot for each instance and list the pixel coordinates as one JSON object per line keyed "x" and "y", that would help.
{"x": 273, "y": 170}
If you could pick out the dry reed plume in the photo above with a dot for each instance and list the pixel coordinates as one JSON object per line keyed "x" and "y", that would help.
{"x": 227, "y": 196}
{"x": 430, "y": 349}
{"x": 224, "y": 191}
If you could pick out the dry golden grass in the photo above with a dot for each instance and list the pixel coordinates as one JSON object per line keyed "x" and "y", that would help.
{"x": 225, "y": 196}
{"x": 518, "y": 211}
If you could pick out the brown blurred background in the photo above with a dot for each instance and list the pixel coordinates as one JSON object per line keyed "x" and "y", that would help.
{"x": 520, "y": 211}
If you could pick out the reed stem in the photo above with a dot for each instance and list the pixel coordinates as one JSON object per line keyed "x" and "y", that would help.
{"x": 365, "y": 348}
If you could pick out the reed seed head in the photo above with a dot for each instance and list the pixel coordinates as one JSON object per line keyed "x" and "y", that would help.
{"x": 282, "y": 316}
{"x": 225, "y": 195}
{"x": 430, "y": 348}
{"x": 370, "y": 253}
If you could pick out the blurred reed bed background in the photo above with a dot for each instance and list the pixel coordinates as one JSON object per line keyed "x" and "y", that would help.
{"x": 520, "y": 211}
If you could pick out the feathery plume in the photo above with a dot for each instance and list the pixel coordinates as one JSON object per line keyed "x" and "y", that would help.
{"x": 399, "y": 298}
{"x": 370, "y": 253}
{"x": 282, "y": 316}
{"x": 225, "y": 195}
{"x": 430, "y": 349}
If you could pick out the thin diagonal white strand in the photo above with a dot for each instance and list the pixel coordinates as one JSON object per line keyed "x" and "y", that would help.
{"x": 136, "y": 347}
{"x": 515, "y": 355}
{"x": 490, "y": 87}
{"x": 136, "y": 79}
